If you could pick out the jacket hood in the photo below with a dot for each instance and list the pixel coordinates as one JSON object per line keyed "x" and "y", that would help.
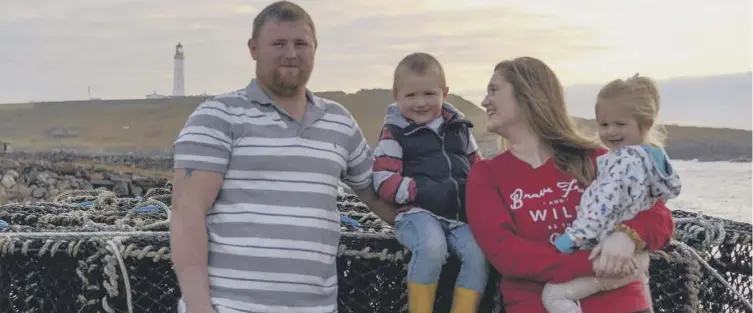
{"x": 666, "y": 183}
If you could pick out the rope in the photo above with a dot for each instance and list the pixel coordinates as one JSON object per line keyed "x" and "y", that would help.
{"x": 103, "y": 199}
{"x": 714, "y": 234}
{"x": 366, "y": 252}
{"x": 714, "y": 273}
{"x": 60, "y": 235}
{"x": 137, "y": 233}
{"x": 692, "y": 227}
{"x": 78, "y": 217}
{"x": 148, "y": 206}
{"x": 112, "y": 247}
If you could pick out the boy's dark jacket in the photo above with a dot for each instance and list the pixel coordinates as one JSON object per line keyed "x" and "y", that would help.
{"x": 418, "y": 167}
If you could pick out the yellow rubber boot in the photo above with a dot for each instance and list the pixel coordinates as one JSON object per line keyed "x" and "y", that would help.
{"x": 465, "y": 301}
{"x": 421, "y": 297}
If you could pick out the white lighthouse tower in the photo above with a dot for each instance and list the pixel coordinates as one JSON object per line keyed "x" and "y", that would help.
{"x": 179, "y": 89}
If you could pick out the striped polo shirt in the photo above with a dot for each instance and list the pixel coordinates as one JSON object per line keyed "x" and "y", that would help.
{"x": 274, "y": 229}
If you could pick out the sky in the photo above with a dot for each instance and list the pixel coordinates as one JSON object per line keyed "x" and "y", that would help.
{"x": 56, "y": 50}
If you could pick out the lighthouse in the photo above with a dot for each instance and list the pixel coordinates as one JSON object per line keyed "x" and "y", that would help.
{"x": 179, "y": 89}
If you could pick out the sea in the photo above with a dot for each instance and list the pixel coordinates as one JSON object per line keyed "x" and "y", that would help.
{"x": 720, "y": 189}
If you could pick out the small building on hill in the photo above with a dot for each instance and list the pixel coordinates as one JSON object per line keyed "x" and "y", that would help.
{"x": 155, "y": 95}
{"x": 4, "y": 147}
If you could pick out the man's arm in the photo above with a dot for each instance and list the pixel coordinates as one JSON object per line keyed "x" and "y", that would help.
{"x": 358, "y": 175}
{"x": 202, "y": 154}
{"x": 194, "y": 192}
{"x": 386, "y": 211}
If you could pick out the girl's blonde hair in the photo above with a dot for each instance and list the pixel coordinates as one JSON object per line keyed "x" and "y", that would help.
{"x": 541, "y": 100}
{"x": 641, "y": 94}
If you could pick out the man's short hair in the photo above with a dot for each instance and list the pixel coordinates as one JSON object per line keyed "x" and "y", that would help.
{"x": 285, "y": 11}
{"x": 419, "y": 63}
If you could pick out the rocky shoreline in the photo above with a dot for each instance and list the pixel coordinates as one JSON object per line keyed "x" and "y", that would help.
{"x": 43, "y": 174}
{"x": 150, "y": 161}
{"x": 35, "y": 181}
{"x": 163, "y": 159}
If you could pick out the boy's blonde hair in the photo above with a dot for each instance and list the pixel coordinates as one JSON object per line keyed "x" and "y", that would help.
{"x": 419, "y": 63}
{"x": 641, "y": 94}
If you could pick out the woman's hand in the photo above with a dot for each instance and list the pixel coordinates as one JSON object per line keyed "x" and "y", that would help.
{"x": 614, "y": 256}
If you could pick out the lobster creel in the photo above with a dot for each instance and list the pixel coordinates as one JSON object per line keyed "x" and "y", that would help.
{"x": 89, "y": 251}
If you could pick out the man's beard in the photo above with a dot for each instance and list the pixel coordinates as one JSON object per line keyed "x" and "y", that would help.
{"x": 285, "y": 88}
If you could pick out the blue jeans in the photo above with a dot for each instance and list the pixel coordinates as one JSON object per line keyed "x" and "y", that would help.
{"x": 428, "y": 237}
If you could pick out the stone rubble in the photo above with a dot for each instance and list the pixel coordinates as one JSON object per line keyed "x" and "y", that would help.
{"x": 42, "y": 181}
{"x": 135, "y": 160}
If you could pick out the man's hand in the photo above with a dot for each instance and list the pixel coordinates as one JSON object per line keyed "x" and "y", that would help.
{"x": 194, "y": 192}
{"x": 209, "y": 309}
{"x": 204, "y": 309}
{"x": 387, "y": 212}
{"x": 614, "y": 256}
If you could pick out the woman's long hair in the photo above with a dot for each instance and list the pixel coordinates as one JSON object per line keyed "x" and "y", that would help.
{"x": 541, "y": 99}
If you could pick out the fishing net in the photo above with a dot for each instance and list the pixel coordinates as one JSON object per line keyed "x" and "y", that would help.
{"x": 724, "y": 250}
{"x": 89, "y": 251}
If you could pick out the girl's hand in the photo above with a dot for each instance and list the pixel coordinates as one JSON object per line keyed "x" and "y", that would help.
{"x": 614, "y": 256}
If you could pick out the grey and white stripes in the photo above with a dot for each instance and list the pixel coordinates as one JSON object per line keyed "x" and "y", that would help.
{"x": 274, "y": 228}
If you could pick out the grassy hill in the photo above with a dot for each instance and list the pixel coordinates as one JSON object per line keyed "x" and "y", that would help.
{"x": 142, "y": 124}
{"x": 154, "y": 123}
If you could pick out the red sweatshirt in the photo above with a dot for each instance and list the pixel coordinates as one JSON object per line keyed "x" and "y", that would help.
{"x": 515, "y": 212}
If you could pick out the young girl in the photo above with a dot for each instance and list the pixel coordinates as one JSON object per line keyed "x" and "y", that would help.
{"x": 631, "y": 178}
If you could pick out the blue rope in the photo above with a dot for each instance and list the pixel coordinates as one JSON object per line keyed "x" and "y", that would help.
{"x": 147, "y": 209}
{"x": 349, "y": 221}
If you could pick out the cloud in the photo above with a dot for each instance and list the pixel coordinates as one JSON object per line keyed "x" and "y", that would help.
{"x": 468, "y": 42}
{"x": 53, "y": 50}
{"x": 121, "y": 48}
{"x": 124, "y": 48}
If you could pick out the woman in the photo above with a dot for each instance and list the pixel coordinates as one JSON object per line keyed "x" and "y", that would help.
{"x": 520, "y": 201}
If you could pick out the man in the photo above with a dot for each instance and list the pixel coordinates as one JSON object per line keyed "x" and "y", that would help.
{"x": 255, "y": 226}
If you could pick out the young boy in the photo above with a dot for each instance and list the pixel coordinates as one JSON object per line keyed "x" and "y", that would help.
{"x": 423, "y": 157}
